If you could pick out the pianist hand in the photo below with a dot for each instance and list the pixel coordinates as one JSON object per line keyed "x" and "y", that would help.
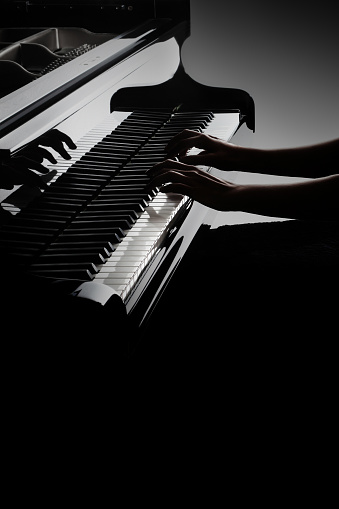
{"x": 310, "y": 199}
{"x": 177, "y": 177}
{"x": 311, "y": 161}
{"x": 216, "y": 152}
{"x": 22, "y": 169}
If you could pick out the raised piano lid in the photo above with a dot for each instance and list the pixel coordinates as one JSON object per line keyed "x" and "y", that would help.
{"x": 133, "y": 25}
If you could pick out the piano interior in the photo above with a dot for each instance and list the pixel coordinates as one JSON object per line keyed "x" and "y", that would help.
{"x": 91, "y": 236}
{"x": 26, "y": 55}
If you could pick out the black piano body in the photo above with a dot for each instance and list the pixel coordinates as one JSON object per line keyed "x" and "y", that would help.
{"x": 122, "y": 60}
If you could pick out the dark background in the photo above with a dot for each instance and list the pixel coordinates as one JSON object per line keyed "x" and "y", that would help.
{"x": 284, "y": 54}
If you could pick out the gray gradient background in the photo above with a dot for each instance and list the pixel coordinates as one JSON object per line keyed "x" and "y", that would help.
{"x": 286, "y": 55}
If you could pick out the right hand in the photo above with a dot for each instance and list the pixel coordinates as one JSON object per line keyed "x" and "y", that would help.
{"x": 216, "y": 152}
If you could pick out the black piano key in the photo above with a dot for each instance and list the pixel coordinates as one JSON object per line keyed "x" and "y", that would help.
{"x": 132, "y": 188}
{"x": 30, "y": 233}
{"x": 58, "y": 205}
{"x": 148, "y": 159}
{"x": 132, "y": 181}
{"x": 73, "y": 257}
{"x": 81, "y": 245}
{"x": 93, "y": 224}
{"x": 128, "y": 207}
{"x": 37, "y": 214}
{"x": 65, "y": 249}
{"x": 183, "y": 123}
{"x": 74, "y": 273}
{"x": 122, "y": 197}
{"x": 21, "y": 244}
{"x": 130, "y": 216}
{"x": 106, "y": 161}
{"x": 74, "y": 190}
{"x": 132, "y": 128}
{"x": 42, "y": 222}
{"x": 76, "y": 236}
{"x": 91, "y": 267}
{"x": 33, "y": 235}
{"x": 94, "y": 170}
{"x": 74, "y": 178}
{"x": 98, "y": 231}
{"x": 127, "y": 138}
{"x": 207, "y": 115}
{"x": 68, "y": 194}
{"x": 117, "y": 192}
{"x": 76, "y": 186}
{"x": 109, "y": 148}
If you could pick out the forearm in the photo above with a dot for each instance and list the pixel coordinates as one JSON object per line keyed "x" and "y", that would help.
{"x": 313, "y": 199}
{"x": 312, "y": 161}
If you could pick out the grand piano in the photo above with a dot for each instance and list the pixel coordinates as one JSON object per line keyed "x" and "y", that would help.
{"x": 109, "y": 75}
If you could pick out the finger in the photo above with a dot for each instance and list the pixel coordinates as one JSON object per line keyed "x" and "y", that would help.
{"x": 177, "y": 188}
{"x": 58, "y": 147}
{"x": 15, "y": 176}
{"x": 45, "y": 154}
{"x": 38, "y": 154}
{"x": 197, "y": 140}
{"x": 168, "y": 176}
{"x": 168, "y": 163}
{"x": 65, "y": 138}
{"x": 55, "y": 140}
{"x": 184, "y": 143}
{"x": 186, "y": 133}
{"x": 203, "y": 158}
{"x": 23, "y": 164}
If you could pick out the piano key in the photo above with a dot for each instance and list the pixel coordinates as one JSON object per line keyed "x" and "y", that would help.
{"x": 98, "y": 232}
{"x": 61, "y": 249}
{"x": 81, "y": 246}
{"x": 65, "y": 257}
{"x": 48, "y": 267}
{"x": 74, "y": 190}
{"x": 128, "y": 207}
{"x": 111, "y": 147}
{"x": 83, "y": 167}
{"x": 30, "y": 236}
{"x": 77, "y": 237}
{"x": 74, "y": 273}
{"x": 130, "y": 216}
{"x": 94, "y": 224}
{"x": 83, "y": 179}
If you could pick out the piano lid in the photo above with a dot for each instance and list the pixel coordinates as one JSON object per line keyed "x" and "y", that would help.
{"x": 41, "y": 36}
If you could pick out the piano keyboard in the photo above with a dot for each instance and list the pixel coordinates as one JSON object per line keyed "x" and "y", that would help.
{"x": 95, "y": 221}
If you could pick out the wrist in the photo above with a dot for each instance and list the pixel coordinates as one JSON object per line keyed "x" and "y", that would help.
{"x": 247, "y": 159}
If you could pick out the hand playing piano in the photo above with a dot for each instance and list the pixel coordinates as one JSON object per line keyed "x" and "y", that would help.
{"x": 215, "y": 152}
{"x": 176, "y": 177}
{"x": 25, "y": 168}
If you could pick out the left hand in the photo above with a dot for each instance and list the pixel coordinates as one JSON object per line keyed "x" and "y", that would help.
{"x": 18, "y": 169}
{"x": 176, "y": 177}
